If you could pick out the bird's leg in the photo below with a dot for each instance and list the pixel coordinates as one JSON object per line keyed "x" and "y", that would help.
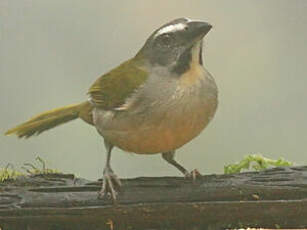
{"x": 170, "y": 158}
{"x": 110, "y": 182}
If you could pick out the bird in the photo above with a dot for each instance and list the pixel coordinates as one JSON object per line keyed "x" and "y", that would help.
{"x": 153, "y": 103}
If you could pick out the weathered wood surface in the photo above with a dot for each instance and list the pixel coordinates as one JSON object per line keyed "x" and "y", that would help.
{"x": 272, "y": 198}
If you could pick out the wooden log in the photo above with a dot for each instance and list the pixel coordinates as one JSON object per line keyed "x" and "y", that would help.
{"x": 274, "y": 198}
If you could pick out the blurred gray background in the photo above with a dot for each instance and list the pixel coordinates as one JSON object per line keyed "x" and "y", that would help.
{"x": 52, "y": 51}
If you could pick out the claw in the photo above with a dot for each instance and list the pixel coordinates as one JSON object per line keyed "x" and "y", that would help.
{"x": 194, "y": 174}
{"x": 110, "y": 185}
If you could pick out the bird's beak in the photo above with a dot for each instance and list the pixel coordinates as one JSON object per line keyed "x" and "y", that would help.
{"x": 197, "y": 30}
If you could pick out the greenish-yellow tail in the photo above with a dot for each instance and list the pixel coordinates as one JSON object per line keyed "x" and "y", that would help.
{"x": 52, "y": 118}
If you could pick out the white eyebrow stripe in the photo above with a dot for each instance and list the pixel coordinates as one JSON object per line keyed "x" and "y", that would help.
{"x": 172, "y": 28}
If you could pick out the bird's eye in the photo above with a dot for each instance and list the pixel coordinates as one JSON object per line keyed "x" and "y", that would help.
{"x": 166, "y": 39}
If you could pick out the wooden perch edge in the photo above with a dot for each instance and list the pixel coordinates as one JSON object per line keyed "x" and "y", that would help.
{"x": 275, "y": 198}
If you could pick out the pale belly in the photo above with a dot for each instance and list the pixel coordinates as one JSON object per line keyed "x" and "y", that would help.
{"x": 156, "y": 131}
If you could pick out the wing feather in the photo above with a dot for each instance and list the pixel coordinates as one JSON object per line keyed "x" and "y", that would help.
{"x": 113, "y": 88}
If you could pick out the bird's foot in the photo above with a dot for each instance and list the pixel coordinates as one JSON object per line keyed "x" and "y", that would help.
{"x": 110, "y": 185}
{"x": 194, "y": 174}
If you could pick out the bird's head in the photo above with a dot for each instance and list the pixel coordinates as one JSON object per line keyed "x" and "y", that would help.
{"x": 174, "y": 44}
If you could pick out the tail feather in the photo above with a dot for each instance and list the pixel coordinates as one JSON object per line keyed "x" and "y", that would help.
{"x": 47, "y": 120}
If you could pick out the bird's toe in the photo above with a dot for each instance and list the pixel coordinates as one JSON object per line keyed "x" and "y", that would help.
{"x": 194, "y": 174}
{"x": 110, "y": 186}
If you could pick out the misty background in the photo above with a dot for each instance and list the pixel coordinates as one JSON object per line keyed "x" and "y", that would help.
{"x": 52, "y": 51}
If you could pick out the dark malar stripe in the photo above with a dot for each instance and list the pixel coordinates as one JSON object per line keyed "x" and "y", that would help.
{"x": 183, "y": 63}
{"x": 200, "y": 55}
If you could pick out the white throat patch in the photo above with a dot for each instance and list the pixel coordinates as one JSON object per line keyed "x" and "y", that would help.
{"x": 171, "y": 28}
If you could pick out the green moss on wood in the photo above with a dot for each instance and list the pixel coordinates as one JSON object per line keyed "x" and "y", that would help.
{"x": 33, "y": 170}
{"x": 10, "y": 173}
{"x": 256, "y": 162}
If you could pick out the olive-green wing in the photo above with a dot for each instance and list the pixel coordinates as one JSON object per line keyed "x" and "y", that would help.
{"x": 113, "y": 88}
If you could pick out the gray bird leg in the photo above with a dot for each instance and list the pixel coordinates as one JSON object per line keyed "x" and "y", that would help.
{"x": 110, "y": 181}
{"x": 170, "y": 158}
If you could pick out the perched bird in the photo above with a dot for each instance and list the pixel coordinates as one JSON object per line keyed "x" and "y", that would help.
{"x": 155, "y": 102}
